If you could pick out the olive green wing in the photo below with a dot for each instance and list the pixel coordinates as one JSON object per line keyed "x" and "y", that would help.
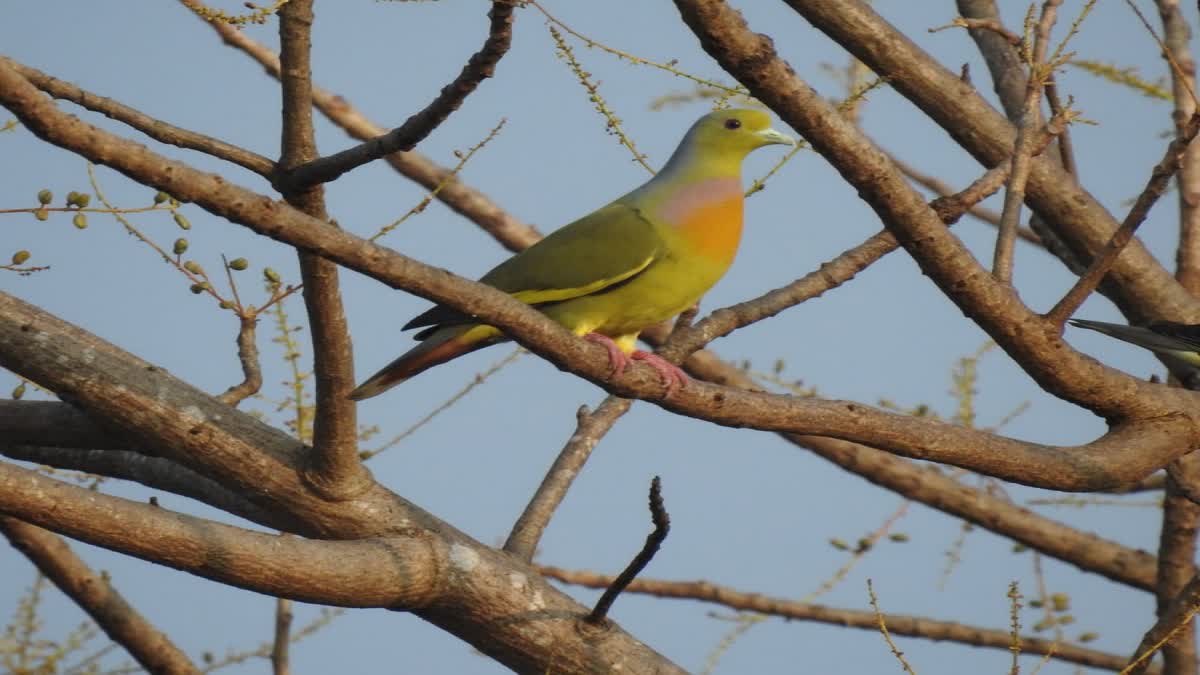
{"x": 609, "y": 246}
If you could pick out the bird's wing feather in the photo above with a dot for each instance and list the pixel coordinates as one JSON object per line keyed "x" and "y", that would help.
{"x": 607, "y": 247}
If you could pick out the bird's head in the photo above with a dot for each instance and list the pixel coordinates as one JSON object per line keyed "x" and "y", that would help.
{"x": 732, "y": 134}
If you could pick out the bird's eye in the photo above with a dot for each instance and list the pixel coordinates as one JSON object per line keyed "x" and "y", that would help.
{"x": 733, "y": 123}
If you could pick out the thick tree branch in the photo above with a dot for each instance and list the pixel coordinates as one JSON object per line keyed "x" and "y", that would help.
{"x": 400, "y": 572}
{"x": 481, "y": 65}
{"x": 1155, "y": 430}
{"x": 1031, "y": 340}
{"x": 96, "y": 596}
{"x": 1142, "y": 288}
{"x": 591, "y": 427}
{"x": 501, "y": 607}
{"x": 154, "y": 472}
{"x": 460, "y": 197}
{"x": 156, "y": 129}
{"x": 335, "y": 470}
{"x": 900, "y": 624}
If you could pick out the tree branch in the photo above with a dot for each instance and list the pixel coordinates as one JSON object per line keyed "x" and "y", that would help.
{"x": 460, "y": 197}
{"x": 1176, "y": 559}
{"x": 1160, "y": 177}
{"x": 590, "y": 428}
{"x": 1142, "y": 288}
{"x": 900, "y": 624}
{"x": 154, "y": 472}
{"x": 1177, "y": 616}
{"x": 481, "y": 65}
{"x": 1022, "y": 157}
{"x": 662, "y": 526}
{"x": 1155, "y": 423}
{"x": 95, "y": 594}
{"x": 251, "y": 368}
{"x": 156, "y": 129}
{"x": 335, "y": 469}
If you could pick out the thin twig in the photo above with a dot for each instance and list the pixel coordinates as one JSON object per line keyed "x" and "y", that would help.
{"x": 461, "y": 198}
{"x": 251, "y": 368}
{"x": 154, "y": 128}
{"x": 481, "y": 65}
{"x": 883, "y": 629}
{"x": 590, "y": 428}
{"x": 280, "y": 664}
{"x": 1160, "y": 177}
{"x": 1022, "y": 158}
{"x": 662, "y": 525}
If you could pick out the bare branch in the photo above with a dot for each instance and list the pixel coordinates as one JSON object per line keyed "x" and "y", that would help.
{"x": 95, "y": 594}
{"x": 251, "y": 368}
{"x": 1156, "y": 420}
{"x": 283, "y": 628}
{"x": 1172, "y": 619}
{"x": 1160, "y": 177}
{"x": 1141, "y": 287}
{"x": 662, "y": 526}
{"x": 156, "y": 129}
{"x": 590, "y": 428}
{"x": 1176, "y": 36}
{"x": 405, "y": 137}
{"x": 153, "y": 472}
{"x": 912, "y": 626}
{"x": 1176, "y": 558}
{"x": 1030, "y": 119}
{"x": 335, "y": 470}
{"x": 463, "y": 199}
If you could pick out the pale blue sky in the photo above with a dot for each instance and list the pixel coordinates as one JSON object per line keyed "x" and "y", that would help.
{"x": 748, "y": 509}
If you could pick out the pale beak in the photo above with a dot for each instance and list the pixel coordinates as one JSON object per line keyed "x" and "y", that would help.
{"x": 771, "y": 137}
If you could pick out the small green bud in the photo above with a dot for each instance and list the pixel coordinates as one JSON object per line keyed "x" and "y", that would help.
{"x": 80, "y": 199}
{"x": 271, "y": 275}
{"x": 1066, "y": 620}
{"x": 18, "y": 392}
{"x": 193, "y": 267}
{"x": 20, "y": 257}
{"x": 199, "y": 288}
{"x": 1019, "y": 548}
{"x": 1061, "y": 602}
{"x": 45, "y": 197}
{"x": 181, "y": 221}
{"x": 238, "y": 264}
{"x": 181, "y": 246}
{"x": 41, "y": 214}
{"x": 161, "y": 197}
{"x": 225, "y": 304}
{"x": 899, "y": 537}
{"x": 80, "y": 221}
{"x": 1088, "y": 637}
{"x": 839, "y": 544}
{"x": 1036, "y": 604}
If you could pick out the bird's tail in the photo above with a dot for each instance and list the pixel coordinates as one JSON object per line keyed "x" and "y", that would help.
{"x": 1142, "y": 337}
{"x": 441, "y": 346}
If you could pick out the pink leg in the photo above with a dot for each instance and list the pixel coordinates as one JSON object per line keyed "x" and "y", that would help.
{"x": 671, "y": 374}
{"x": 616, "y": 357}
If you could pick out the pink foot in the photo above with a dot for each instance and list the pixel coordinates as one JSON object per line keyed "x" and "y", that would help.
{"x": 672, "y": 375}
{"x": 616, "y": 357}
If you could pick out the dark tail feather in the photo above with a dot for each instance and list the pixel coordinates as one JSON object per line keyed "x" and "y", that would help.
{"x": 442, "y": 346}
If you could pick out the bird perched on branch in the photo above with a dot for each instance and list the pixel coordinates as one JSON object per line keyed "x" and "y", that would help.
{"x": 641, "y": 259}
{"x": 1178, "y": 342}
